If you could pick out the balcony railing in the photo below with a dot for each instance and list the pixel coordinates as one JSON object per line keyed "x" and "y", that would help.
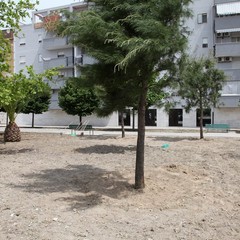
{"x": 229, "y": 101}
{"x": 227, "y": 49}
{"x": 228, "y": 22}
{"x": 56, "y": 83}
{"x": 231, "y": 88}
{"x": 56, "y": 43}
{"x": 64, "y": 62}
{"x": 232, "y": 74}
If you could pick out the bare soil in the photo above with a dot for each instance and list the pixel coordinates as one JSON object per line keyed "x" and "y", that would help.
{"x": 58, "y": 187}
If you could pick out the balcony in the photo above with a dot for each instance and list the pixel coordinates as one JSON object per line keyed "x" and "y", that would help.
{"x": 229, "y": 102}
{"x": 62, "y": 62}
{"x": 232, "y": 74}
{"x": 56, "y": 43}
{"x": 230, "y": 49}
{"x": 231, "y": 88}
{"x": 56, "y": 84}
{"x": 227, "y": 24}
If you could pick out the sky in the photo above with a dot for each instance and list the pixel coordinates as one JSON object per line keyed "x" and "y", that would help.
{"x": 43, "y": 4}
{"x": 53, "y": 3}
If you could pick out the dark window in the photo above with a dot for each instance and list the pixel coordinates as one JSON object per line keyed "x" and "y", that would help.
{"x": 126, "y": 117}
{"x": 60, "y": 54}
{"x": 175, "y": 117}
{"x": 151, "y": 117}
{"x": 206, "y": 117}
{"x": 202, "y": 18}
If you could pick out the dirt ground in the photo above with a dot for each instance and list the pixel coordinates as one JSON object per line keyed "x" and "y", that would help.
{"x": 58, "y": 187}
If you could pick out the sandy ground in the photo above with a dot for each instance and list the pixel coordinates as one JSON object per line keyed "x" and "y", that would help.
{"x": 58, "y": 187}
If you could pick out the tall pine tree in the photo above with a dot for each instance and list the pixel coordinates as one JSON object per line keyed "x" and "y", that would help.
{"x": 139, "y": 38}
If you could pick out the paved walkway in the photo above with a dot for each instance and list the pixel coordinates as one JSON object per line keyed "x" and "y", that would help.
{"x": 163, "y": 132}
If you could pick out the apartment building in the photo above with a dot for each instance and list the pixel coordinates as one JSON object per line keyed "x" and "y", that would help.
{"x": 215, "y": 31}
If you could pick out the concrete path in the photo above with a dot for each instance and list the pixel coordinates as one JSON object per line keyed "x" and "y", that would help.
{"x": 166, "y": 132}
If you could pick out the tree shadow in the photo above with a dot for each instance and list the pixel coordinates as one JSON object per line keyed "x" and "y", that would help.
{"x": 15, "y": 151}
{"x": 86, "y": 185}
{"x": 105, "y": 149}
{"x": 97, "y": 137}
{"x": 174, "y": 139}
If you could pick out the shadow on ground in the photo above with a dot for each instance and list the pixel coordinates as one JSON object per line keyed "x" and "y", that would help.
{"x": 174, "y": 139}
{"x": 87, "y": 186}
{"x": 97, "y": 137}
{"x": 105, "y": 149}
{"x": 15, "y": 151}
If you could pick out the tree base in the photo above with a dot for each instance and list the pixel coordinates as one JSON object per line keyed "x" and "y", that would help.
{"x": 12, "y": 133}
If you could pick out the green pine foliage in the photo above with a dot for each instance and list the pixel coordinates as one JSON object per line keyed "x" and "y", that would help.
{"x": 136, "y": 39}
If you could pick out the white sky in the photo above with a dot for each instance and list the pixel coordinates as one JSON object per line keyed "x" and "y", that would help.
{"x": 53, "y": 3}
{"x": 43, "y": 4}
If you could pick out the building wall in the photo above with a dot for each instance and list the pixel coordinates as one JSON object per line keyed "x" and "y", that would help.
{"x": 60, "y": 118}
{"x": 202, "y": 32}
{"x": 230, "y": 116}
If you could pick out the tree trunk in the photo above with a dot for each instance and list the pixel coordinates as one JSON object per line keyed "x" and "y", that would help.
{"x": 139, "y": 171}
{"x": 32, "y": 120}
{"x": 80, "y": 120}
{"x": 133, "y": 122}
{"x": 201, "y": 119}
{"x": 12, "y": 133}
{"x": 122, "y": 124}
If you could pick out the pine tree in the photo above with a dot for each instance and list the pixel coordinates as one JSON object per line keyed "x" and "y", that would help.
{"x": 139, "y": 38}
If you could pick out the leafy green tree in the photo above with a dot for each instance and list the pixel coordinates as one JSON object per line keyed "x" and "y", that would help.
{"x": 11, "y": 13}
{"x": 200, "y": 85}
{"x": 39, "y": 103}
{"x": 143, "y": 38}
{"x": 77, "y": 101}
{"x": 15, "y": 91}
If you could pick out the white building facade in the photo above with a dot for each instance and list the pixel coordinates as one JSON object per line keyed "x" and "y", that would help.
{"x": 215, "y": 31}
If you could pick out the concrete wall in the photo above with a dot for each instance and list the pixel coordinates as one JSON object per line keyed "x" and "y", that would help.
{"x": 230, "y": 116}
{"x": 60, "y": 118}
{"x": 200, "y": 31}
{"x": 56, "y": 117}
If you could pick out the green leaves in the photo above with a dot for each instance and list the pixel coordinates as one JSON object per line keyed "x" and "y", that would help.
{"x": 17, "y": 89}
{"x": 77, "y": 101}
{"x": 11, "y": 13}
{"x": 201, "y": 83}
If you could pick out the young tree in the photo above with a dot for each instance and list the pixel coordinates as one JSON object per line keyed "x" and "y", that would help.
{"x": 15, "y": 91}
{"x": 200, "y": 85}
{"x": 39, "y": 103}
{"x": 77, "y": 101}
{"x": 147, "y": 37}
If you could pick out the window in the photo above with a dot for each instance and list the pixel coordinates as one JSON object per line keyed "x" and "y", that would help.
{"x": 22, "y": 59}
{"x": 60, "y": 54}
{"x": 22, "y": 41}
{"x": 202, "y": 18}
{"x": 40, "y": 58}
{"x": 39, "y": 38}
{"x": 62, "y": 74}
{"x": 205, "y": 42}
